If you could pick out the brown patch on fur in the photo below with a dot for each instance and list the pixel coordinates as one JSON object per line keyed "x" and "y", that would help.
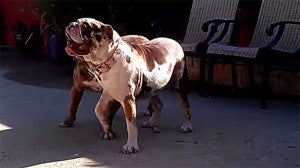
{"x": 80, "y": 75}
{"x": 178, "y": 69}
{"x": 128, "y": 59}
{"x": 107, "y": 31}
{"x": 144, "y": 54}
{"x": 136, "y": 40}
{"x": 85, "y": 74}
{"x": 129, "y": 108}
{"x": 150, "y": 54}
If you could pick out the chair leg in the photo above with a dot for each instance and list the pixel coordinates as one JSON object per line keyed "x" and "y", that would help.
{"x": 202, "y": 76}
{"x": 264, "y": 87}
{"x": 210, "y": 77}
{"x": 251, "y": 78}
{"x": 234, "y": 77}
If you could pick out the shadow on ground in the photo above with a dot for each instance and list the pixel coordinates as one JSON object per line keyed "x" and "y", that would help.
{"x": 24, "y": 69}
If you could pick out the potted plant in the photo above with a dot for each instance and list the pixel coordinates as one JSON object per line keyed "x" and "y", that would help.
{"x": 52, "y": 30}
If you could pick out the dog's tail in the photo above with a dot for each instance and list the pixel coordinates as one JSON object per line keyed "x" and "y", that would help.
{"x": 183, "y": 81}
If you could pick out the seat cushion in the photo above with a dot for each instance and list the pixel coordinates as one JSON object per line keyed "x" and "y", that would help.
{"x": 276, "y": 57}
{"x": 221, "y": 49}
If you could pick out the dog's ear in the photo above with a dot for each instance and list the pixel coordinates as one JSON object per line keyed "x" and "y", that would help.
{"x": 107, "y": 31}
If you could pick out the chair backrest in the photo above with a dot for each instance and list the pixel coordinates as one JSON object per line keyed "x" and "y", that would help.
{"x": 272, "y": 11}
{"x": 205, "y": 10}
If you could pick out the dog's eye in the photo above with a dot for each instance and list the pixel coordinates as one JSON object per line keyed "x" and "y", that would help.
{"x": 86, "y": 30}
{"x": 85, "y": 25}
{"x": 98, "y": 37}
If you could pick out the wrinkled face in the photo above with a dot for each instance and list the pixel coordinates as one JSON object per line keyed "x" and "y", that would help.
{"x": 87, "y": 36}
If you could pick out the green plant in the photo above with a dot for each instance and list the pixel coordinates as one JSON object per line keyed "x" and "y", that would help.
{"x": 49, "y": 25}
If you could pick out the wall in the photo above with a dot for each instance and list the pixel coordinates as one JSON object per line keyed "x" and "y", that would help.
{"x": 15, "y": 11}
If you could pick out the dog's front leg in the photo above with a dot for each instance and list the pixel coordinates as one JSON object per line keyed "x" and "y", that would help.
{"x": 129, "y": 107}
{"x": 105, "y": 111}
{"x": 76, "y": 95}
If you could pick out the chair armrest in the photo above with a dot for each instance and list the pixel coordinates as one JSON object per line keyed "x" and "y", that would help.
{"x": 281, "y": 26}
{"x": 214, "y": 24}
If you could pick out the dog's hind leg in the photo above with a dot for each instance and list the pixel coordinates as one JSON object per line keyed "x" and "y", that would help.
{"x": 157, "y": 105}
{"x": 149, "y": 111}
{"x": 105, "y": 111}
{"x": 179, "y": 82}
{"x": 187, "y": 126}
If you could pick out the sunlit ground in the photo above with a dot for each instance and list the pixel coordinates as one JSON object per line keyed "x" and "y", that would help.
{"x": 4, "y": 127}
{"x": 71, "y": 163}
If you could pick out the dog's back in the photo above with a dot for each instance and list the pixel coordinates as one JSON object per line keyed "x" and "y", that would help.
{"x": 135, "y": 39}
{"x": 169, "y": 46}
{"x": 163, "y": 60}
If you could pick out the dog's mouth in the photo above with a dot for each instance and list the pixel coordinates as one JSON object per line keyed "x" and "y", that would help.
{"x": 79, "y": 40}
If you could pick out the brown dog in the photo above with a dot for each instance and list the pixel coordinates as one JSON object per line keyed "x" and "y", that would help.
{"x": 127, "y": 72}
{"x": 83, "y": 80}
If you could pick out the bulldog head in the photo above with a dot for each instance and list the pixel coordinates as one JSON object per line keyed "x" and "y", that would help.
{"x": 92, "y": 39}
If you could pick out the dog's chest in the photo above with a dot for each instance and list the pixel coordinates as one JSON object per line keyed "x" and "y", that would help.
{"x": 92, "y": 84}
{"x": 83, "y": 78}
{"x": 119, "y": 80}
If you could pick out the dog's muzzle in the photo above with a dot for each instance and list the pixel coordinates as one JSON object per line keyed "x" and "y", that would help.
{"x": 78, "y": 39}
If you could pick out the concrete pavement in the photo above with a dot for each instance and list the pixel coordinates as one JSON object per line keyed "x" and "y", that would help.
{"x": 227, "y": 132}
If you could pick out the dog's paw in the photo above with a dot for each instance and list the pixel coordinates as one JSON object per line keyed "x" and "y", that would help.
{"x": 107, "y": 135}
{"x": 147, "y": 113}
{"x": 147, "y": 124}
{"x": 186, "y": 128}
{"x": 130, "y": 148}
{"x": 155, "y": 130}
{"x": 67, "y": 123}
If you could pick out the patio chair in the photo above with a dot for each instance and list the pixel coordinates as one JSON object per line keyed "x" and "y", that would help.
{"x": 205, "y": 13}
{"x": 276, "y": 41}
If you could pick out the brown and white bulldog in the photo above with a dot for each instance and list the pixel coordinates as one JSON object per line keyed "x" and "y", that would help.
{"x": 127, "y": 72}
{"x": 83, "y": 80}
